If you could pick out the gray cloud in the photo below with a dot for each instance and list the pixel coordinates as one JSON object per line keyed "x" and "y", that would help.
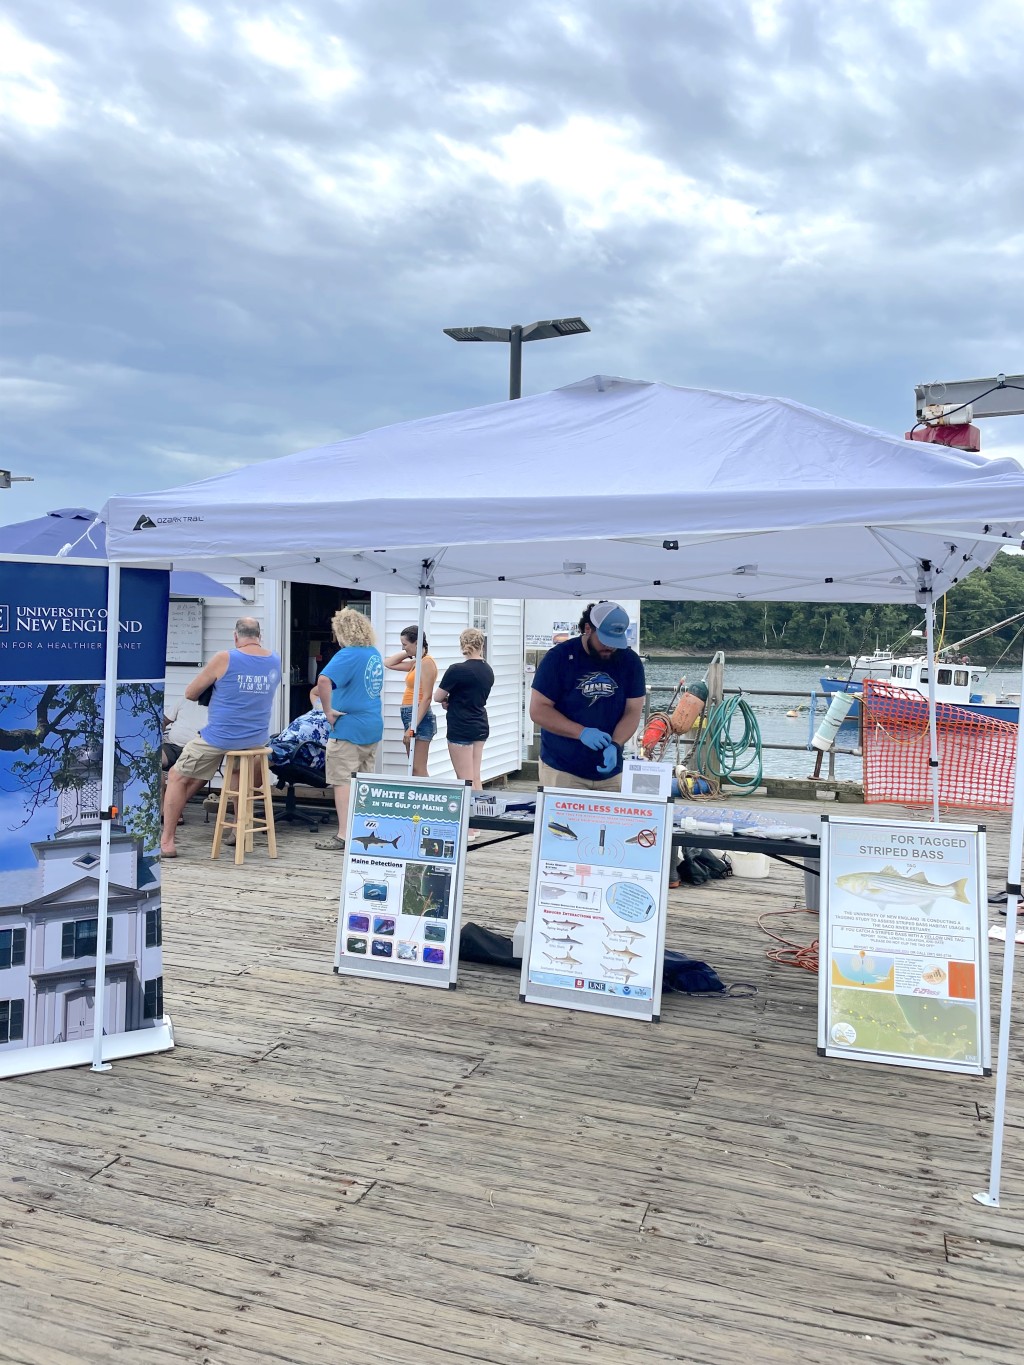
{"x": 233, "y": 230}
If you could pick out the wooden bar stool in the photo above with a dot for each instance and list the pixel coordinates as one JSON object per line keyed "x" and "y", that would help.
{"x": 245, "y": 766}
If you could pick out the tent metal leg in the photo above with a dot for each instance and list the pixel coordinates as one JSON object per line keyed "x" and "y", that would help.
{"x": 421, "y": 621}
{"x": 933, "y": 737}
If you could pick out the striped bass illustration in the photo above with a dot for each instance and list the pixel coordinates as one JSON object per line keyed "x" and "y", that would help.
{"x": 892, "y": 887}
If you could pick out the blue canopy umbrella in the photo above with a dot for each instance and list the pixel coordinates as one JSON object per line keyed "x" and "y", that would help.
{"x": 65, "y": 525}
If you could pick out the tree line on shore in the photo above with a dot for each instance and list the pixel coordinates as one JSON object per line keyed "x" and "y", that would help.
{"x": 981, "y": 600}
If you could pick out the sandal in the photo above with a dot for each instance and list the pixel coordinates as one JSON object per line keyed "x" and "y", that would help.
{"x": 334, "y": 844}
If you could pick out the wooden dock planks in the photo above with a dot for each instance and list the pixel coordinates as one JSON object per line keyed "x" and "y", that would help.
{"x": 329, "y": 1169}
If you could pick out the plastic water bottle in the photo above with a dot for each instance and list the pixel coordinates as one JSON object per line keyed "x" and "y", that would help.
{"x": 825, "y": 735}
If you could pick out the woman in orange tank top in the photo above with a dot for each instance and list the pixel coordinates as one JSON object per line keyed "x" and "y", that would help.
{"x": 423, "y": 724}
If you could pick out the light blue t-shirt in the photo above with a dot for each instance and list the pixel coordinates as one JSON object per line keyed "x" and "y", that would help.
{"x": 357, "y": 678}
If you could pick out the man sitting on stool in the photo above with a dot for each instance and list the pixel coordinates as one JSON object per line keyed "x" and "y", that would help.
{"x": 244, "y": 681}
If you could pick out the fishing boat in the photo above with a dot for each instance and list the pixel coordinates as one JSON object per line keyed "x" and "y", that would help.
{"x": 957, "y": 682}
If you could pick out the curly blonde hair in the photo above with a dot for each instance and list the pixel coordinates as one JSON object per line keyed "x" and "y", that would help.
{"x": 472, "y": 641}
{"x": 351, "y": 627}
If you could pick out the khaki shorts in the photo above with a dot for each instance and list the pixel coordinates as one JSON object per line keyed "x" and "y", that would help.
{"x": 345, "y": 759}
{"x": 199, "y": 760}
{"x": 552, "y": 777}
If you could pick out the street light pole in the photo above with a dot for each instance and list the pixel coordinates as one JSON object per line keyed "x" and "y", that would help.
{"x": 515, "y": 361}
{"x": 515, "y": 336}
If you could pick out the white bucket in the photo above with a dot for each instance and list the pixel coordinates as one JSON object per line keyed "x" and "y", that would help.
{"x": 750, "y": 864}
{"x": 824, "y": 736}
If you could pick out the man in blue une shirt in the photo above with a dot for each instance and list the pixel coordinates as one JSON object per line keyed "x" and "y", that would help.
{"x": 588, "y": 699}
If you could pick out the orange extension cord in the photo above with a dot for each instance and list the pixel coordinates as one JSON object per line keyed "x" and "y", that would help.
{"x": 788, "y": 953}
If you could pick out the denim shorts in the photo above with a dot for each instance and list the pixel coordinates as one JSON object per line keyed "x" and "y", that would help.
{"x": 428, "y": 725}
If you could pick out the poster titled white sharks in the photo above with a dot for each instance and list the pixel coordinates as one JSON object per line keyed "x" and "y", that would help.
{"x": 595, "y": 936}
{"x": 53, "y": 630}
{"x": 904, "y": 969}
{"x": 401, "y": 888}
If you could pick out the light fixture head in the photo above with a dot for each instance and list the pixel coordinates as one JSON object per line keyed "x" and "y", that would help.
{"x": 478, "y": 333}
{"x": 554, "y": 327}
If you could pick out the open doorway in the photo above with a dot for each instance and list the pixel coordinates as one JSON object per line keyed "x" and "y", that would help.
{"x": 310, "y": 641}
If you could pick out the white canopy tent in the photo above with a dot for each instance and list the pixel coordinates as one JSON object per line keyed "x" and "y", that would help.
{"x": 579, "y": 491}
{"x": 608, "y": 487}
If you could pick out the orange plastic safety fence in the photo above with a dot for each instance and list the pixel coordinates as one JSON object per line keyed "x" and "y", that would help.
{"x": 976, "y": 754}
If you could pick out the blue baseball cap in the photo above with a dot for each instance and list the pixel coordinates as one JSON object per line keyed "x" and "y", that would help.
{"x": 611, "y": 624}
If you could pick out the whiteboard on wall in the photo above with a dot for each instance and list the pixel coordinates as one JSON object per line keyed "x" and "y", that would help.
{"x": 185, "y": 633}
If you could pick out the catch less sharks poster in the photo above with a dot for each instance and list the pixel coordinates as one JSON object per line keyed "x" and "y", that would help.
{"x": 904, "y": 967}
{"x": 401, "y": 889}
{"x": 595, "y": 936}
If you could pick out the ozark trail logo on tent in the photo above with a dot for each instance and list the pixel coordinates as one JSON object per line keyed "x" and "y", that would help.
{"x": 596, "y": 686}
{"x": 5, "y": 618}
{"x": 146, "y": 523}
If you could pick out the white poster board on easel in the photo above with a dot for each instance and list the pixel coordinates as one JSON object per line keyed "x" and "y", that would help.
{"x": 903, "y": 976}
{"x": 595, "y": 930}
{"x": 400, "y": 913}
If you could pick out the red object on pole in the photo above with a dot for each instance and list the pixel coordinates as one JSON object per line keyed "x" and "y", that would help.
{"x": 964, "y": 437}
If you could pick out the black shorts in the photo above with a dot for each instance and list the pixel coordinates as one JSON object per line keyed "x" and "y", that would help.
{"x": 460, "y": 734}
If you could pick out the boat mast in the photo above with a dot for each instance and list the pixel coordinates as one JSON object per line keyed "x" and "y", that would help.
{"x": 978, "y": 634}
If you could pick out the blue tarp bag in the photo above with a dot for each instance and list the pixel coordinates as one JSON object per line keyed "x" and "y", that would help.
{"x": 688, "y": 974}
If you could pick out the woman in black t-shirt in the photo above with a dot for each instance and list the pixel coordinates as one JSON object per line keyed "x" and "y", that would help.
{"x": 463, "y": 692}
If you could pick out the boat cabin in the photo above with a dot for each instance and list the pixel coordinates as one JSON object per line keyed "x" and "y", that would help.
{"x": 958, "y": 684}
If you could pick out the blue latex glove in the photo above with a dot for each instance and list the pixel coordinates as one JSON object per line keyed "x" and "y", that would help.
{"x": 609, "y": 759}
{"x": 595, "y": 739}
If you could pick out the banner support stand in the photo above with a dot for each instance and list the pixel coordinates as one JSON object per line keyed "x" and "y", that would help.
{"x": 106, "y": 809}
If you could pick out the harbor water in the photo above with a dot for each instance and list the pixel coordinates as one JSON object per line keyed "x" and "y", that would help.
{"x": 799, "y": 677}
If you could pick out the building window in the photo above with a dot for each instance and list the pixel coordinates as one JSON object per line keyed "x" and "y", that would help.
{"x": 154, "y": 928}
{"x": 78, "y": 937}
{"x": 153, "y": 999}
{"x": 12, "y": 1020}
{"x": 480, "y": 618}
{"x": 87, "y": 860}
{"x": 12, "y": 948}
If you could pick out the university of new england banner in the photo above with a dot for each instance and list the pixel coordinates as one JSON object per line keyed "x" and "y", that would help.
{"x": 53, "y": 632}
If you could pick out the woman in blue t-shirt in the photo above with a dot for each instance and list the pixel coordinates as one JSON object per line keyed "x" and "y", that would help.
{"x": 350, "y": 689}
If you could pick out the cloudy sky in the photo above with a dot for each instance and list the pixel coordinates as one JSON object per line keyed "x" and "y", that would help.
{"x": 232, "y": 229}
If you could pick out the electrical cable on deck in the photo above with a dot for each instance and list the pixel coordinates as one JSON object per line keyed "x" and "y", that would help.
{"x": 789, "y": 953}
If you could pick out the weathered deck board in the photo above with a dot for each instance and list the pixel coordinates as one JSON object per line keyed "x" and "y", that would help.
{"x": 329, "y": 1170}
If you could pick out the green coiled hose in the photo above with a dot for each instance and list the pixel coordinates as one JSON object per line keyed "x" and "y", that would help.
{"x": 728, "y": 757}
